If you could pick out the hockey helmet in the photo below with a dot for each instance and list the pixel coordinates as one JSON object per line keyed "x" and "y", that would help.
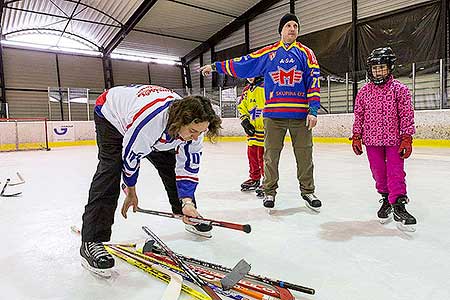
{"x": 380, "y": 56}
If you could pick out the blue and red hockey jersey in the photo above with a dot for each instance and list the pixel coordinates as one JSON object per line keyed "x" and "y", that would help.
{"x": 291, "y": 78}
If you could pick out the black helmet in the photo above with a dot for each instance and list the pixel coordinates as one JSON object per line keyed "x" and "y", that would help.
{"x": 380, "y": 56}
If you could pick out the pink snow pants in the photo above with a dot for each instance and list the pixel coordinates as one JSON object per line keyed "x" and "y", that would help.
{"x": 388, "y": 170}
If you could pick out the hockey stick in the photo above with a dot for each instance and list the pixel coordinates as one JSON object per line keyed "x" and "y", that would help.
{"x": 182, "y": 265}
{"x": 145, "y": 266}
{"x": 2, "y": 193}
{"x": 274, "y": 282}
{"x": 212, "y": 282}
{"x": 245, "y": 228}
{"x": 243, "y": 286}
{"x": 76, "y": 230}
{"x": 226, "y": 282}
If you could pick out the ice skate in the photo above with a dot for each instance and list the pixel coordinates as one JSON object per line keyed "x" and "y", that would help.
{"x": 269, "y": 203}
{"x": 249, "y": 185}
{"x": 405, "y": 221}
{"x": 385, "y": 211}
{"x": 203, "y": 230}
{"x": 312, "y": 202}
{"x": 96, "y": 259}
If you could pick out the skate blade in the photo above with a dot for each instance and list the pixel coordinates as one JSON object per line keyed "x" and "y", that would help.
{"x": 199, "y": 233}
{"x": 406, "y": 228}
{"x": 102, "y": 273}
{"x": 386, "y": 220}
{"x": 248, "y": 190}
{"x": 315, "y": 209}
{"x": 270, "y": 211}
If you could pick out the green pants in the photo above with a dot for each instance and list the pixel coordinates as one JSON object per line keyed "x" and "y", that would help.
{"x": 275, "y": 131}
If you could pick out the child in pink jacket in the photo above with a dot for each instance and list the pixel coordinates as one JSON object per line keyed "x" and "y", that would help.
{"x": 384, "y": 123}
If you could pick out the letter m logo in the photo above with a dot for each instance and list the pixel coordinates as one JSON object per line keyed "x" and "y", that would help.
{"x": 287, "y": 78}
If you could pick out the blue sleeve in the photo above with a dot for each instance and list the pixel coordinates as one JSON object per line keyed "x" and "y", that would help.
{"x": 247, "y": 66}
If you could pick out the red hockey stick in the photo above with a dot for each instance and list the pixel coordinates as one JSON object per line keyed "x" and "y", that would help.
{"x": 245, "y": 228}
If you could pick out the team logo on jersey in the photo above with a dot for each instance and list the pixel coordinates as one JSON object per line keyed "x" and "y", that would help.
{"x": 287, "y": 78}
{"x": 287, "y": 61}
{"x": 272, "y": 55}
{"x": 237, "y": 59}
{"x": 255, "y": 113}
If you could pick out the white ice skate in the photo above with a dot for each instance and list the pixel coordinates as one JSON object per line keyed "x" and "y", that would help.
{"x": 312, "y": 202}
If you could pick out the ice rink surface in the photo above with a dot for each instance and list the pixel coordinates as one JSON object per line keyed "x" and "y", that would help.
{"x": 343, "y": 252}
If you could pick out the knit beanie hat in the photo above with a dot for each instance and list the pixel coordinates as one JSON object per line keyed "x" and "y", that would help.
{"x": 286, "y": 18}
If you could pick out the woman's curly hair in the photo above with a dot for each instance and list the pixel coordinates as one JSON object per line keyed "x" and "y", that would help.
{"x": 195, "y": 109}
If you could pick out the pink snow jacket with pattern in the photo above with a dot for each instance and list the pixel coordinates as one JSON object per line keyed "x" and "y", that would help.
{"x": 383, "y": 113}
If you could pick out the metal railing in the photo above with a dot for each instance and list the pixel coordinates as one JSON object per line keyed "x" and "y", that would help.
{"x": 429, "y": 83}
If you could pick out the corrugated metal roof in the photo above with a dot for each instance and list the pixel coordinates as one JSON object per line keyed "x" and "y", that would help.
{"x": 139, "y": 43}
{"x": 53, "y": 14}
{"x": 184, "y": 21}
{"x": 370, "y": 8}
{"x": 171, "y": 27}
{"x": 339, "y": 12}
{"x": 232, "y": 7}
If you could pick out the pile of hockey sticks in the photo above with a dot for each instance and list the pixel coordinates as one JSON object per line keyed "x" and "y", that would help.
{"x": 166, "y": 265}
{"x": 8, "y": 183}
{"x": 256, "y": 286}
{"x": 158, "y": 260}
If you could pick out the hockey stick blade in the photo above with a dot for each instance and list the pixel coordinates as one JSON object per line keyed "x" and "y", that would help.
{"x": 148, "y": 246}
{"x": 173, "y": 288}
{"x": 237, "y": 273}
{"x": 21, "y": 180}
{"x": 11, "y": 195}
{"x": 3, "y": 194}
{"x": 285, "y": 293}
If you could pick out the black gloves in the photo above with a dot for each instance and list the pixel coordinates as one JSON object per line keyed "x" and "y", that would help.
{"x": 248, "y": 127}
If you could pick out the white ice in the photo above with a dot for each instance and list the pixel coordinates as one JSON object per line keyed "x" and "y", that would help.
{"x": 342, "y": 252}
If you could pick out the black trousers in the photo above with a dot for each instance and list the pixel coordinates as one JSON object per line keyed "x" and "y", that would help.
{"x": 104, "y": 192}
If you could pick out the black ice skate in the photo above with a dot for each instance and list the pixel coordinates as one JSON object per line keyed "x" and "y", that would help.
{"x": 96, "y": 259}
{"x": 405, "y": 220}
{"x": 201, "y": 229}
{"x": 312, "y": 202}
{"x": 385, "y": 211}
{"x": 269, "y": 202}
{"x": 249, "y": 185}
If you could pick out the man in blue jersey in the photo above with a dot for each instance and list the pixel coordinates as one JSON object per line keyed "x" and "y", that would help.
{"x": 291, "y": 78}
